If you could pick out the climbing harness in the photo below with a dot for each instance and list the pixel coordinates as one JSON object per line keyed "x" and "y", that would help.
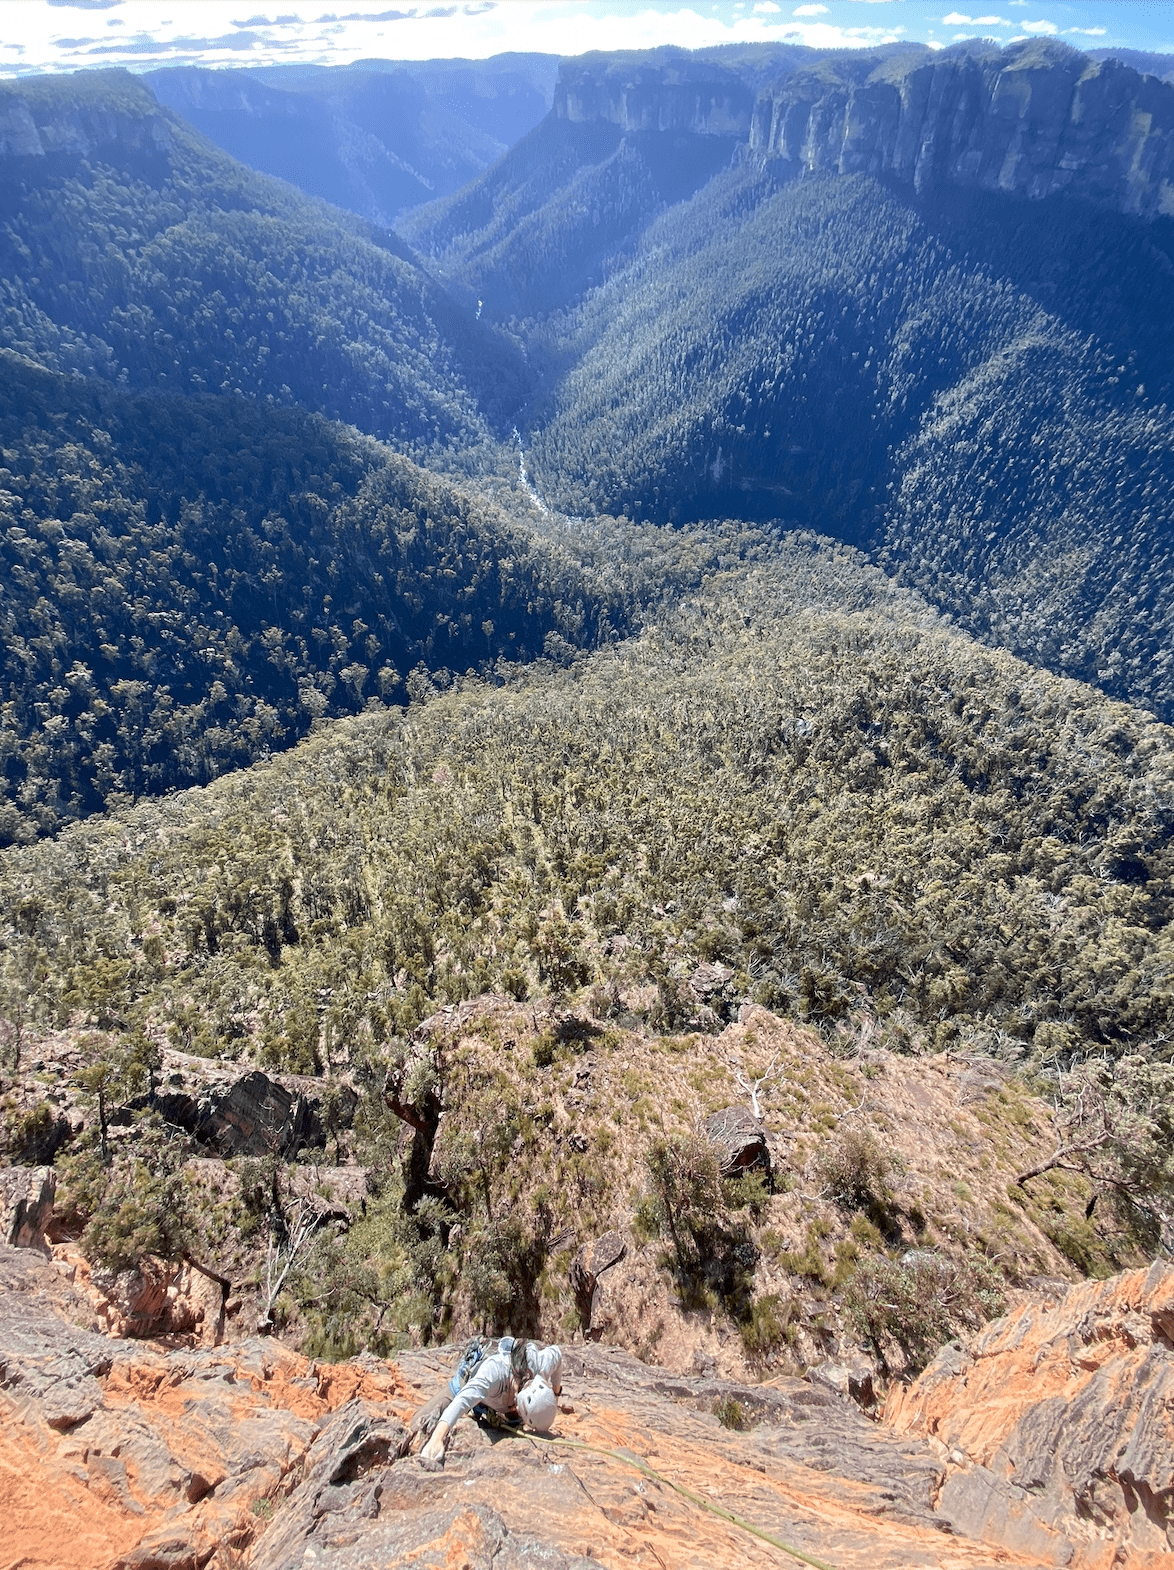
{"x": 687, "y": 1493}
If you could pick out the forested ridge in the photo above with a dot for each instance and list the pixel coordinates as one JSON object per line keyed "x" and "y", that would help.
{"x": 859, "y": 819}
{"x": 187, "y": 584}
{"x": 145, "y": 255}
{"x": 848, "y": 809}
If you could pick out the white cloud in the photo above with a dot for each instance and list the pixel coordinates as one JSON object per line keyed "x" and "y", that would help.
{"x": 766, "y": 8}
{"x": 1090, "y": 32}
{"x": 1039, "y": 27}
{"x": 810, "y": 10}
{"x": 956, "y": 19}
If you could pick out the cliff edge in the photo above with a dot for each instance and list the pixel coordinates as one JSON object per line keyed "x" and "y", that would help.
{"x": 1031, "y": 120}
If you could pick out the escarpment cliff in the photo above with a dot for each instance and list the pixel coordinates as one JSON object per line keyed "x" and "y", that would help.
{"x": 1031, "y": 120}
{"x": 641, "y": 94}
{"x": 76, "y": 117}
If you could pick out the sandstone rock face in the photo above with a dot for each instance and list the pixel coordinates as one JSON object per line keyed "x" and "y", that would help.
{"x": 683, "y": 95}
{"x": 1056, "y": 1424}
{"x": 741, "y": 1139}
{"x": 41, "y": 127}
{"x": 119, "y": 1456}
{"x": 1031, "y": 120}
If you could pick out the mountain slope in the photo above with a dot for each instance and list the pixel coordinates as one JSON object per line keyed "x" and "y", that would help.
{"x": 134, "y": 250}
{"x": 626, "y": 137}
{"x": 188, "y": 584}
{"x": 968, "y": 382}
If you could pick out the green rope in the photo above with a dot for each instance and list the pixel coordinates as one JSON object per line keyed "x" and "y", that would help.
{"x": 706, "y": 1504}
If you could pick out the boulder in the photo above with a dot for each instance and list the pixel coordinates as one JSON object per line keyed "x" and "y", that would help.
{"x": 255, "y": 1116}
{"x": 587, "y": 1267}
{"x": 741, "y": 1140}
{"x": 852, "y": 1379}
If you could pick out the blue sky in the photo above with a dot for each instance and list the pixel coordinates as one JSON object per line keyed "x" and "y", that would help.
{"x": 39, "y": 35}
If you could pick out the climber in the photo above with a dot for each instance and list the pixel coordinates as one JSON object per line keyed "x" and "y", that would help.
{"x": 518, "y": 1383}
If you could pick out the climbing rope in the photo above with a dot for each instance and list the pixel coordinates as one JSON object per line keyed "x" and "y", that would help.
{"x": 679, "y": 1488}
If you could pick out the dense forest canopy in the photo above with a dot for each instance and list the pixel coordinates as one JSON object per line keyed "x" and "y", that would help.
{"x": 187, "y": 584}
{"x": 845, "y": 809}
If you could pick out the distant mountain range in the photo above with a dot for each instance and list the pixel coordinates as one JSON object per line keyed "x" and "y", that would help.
{"x": 375, "y": 137}
{"x": 919, "y": 301}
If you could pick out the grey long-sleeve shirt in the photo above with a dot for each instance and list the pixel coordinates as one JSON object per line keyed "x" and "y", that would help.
{"x": 494, "y": 1385}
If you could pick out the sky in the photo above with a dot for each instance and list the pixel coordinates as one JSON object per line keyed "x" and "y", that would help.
{"x": 57, "y": 35}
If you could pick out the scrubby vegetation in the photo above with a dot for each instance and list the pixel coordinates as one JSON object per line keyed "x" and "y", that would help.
{"x": 862, "y": 820}
{"x": 615, "y": 823}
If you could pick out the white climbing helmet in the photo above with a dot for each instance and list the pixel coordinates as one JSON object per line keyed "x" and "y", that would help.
{"x": 537, "y": 1406}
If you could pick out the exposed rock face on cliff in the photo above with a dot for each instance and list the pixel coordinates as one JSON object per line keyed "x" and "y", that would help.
{"x": 62, "y": 119}
{"x": 1057, "y": 1425}
{"x": 119, "y": 1456}
{"x": 682, "y": 94}
{"x": 116, "y": 1456}
{"x": 1031, "y": 120}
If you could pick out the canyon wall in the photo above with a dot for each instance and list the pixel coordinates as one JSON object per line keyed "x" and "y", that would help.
{"x": 638, "y": 94}
{"x": 1031, "y": 120}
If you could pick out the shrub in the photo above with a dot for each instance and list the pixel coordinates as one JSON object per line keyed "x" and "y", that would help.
{"x": 134, "y": 1206}
{"x": 34, "y": 1137}
{"x": 769, "y": 1326}
{"x": 730, "y": 1413}
{"x": 921, "y": 1301}
{"x": 853, "y": 1171}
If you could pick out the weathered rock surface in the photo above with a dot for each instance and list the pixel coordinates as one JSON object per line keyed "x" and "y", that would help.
{"x": 1056, "y": 1424}
{"x": 682, "y": 94}
{"x": 40, "y": 128}
{"x": 588, "y": 1265}
{"x": 1030, "y": 120}
{"x": 117, "y": 1456}
{"x": 253, "y": 1114}
{"x": 26, "y": 1205}
{"x": 741, "y": 1139}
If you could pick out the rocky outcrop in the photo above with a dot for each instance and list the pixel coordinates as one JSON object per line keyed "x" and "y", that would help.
{"x": 1056, "y": 1424}
{"x": 117, "y": 1456}
{"x": 1031, "y": 120}
{"x": 1049, "y": 1436}
{"x": 253, "y": 1115}
{"x": 26, "y": 1205}
{"x": 82, "y": 118}
{"x": 741, "y": 1140}
{"x": 588, "y": 1265}
{"x": 639, "y": 93}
